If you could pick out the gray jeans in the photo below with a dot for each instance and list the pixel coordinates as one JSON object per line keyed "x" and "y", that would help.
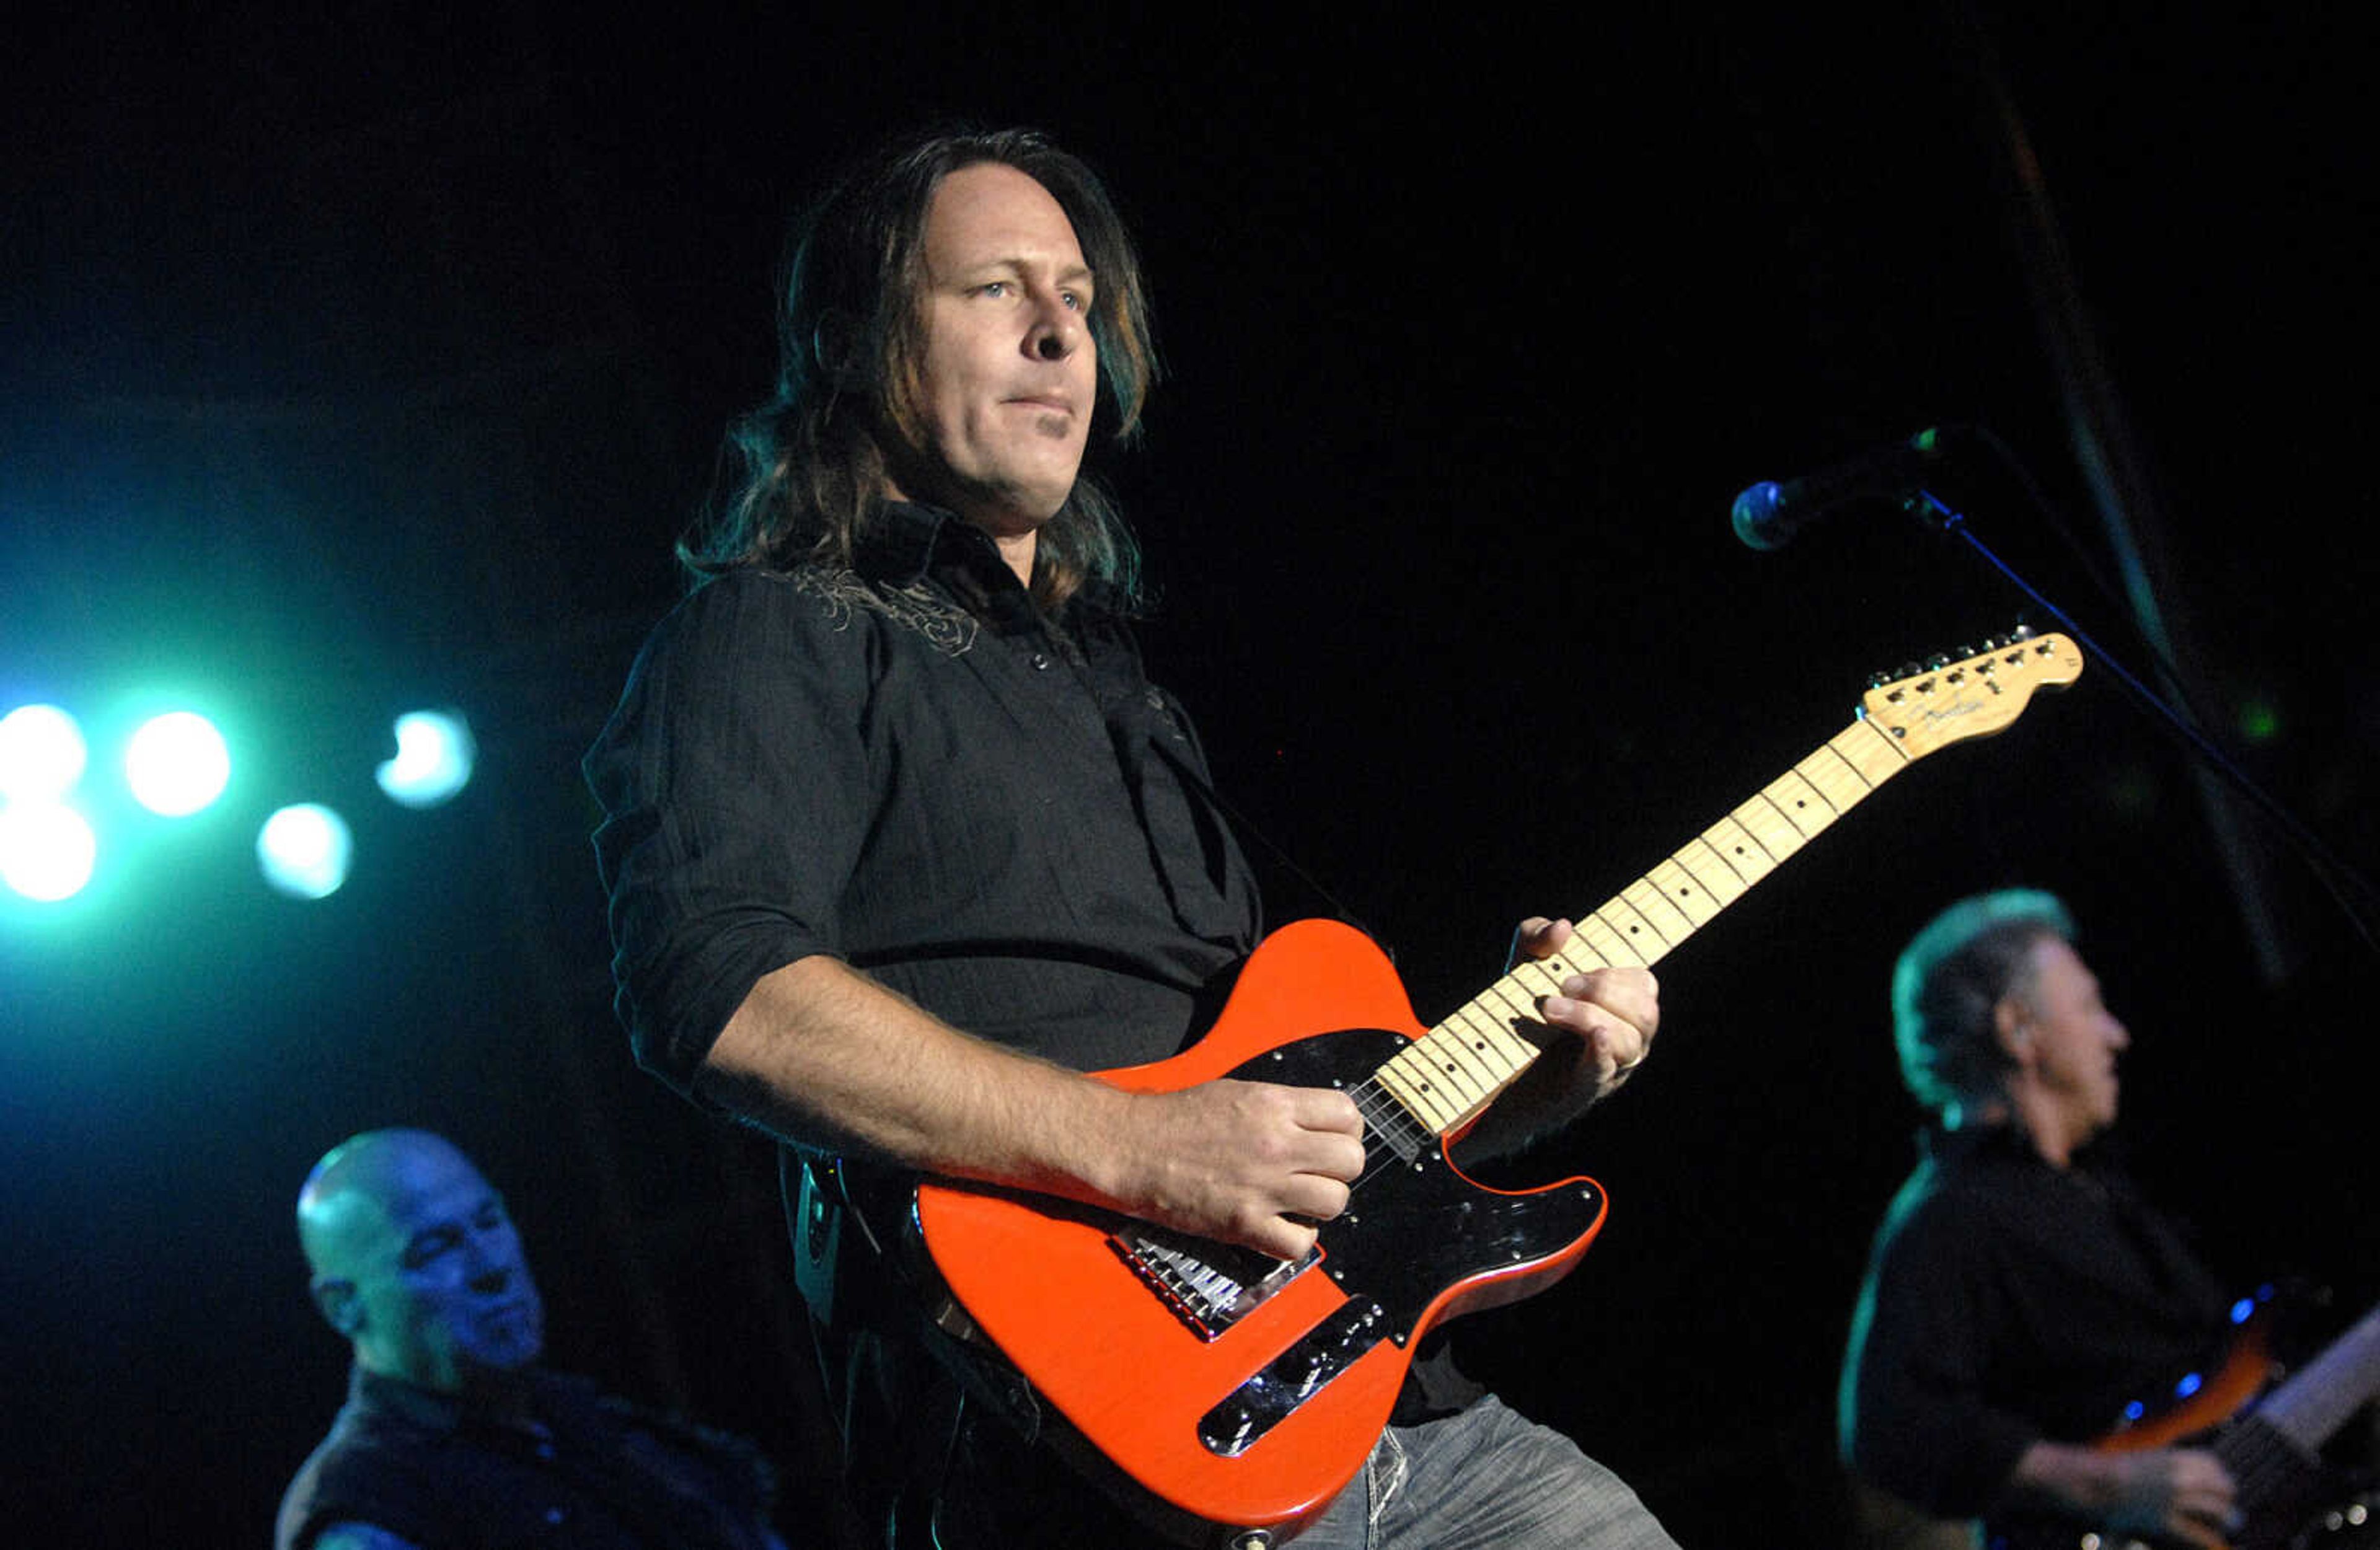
{"x": 1486, "y": 1477}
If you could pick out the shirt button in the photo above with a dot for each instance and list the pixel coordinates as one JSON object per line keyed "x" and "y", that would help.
{"x": 1040, "y": 662}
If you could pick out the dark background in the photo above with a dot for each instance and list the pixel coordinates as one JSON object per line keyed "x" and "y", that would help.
{"x": 363, "y": 356}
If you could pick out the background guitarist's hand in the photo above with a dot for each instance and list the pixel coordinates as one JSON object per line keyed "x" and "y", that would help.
{"x": 2182, "y": 1492}
{"x": 1251, "y": 1163}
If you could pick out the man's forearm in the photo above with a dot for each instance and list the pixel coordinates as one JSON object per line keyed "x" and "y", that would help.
{"x": 821, "y": 1054}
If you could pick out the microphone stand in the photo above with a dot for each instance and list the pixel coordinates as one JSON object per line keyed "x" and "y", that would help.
{"x": 2353, "y": 892}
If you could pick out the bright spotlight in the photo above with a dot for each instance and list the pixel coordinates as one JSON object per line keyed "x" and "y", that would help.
{"x": 46, "y": 850}
{"x": 176, "y": 763}
{"x": 305, "y": 850}
{"x": 41, "y": 754}
{"x": 434, "y": 755}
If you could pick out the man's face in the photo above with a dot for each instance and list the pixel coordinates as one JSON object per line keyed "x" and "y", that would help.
{"x": 441, "y": 1289}
{"x": 2074, "y": 1039}
{"x": 1009, "y": 371}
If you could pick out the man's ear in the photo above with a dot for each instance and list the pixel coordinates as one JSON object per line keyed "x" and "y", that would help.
{"x": 2012, "y": 1028}
{"x": 342, "y": 1309}
{"x": 835, "y": 348}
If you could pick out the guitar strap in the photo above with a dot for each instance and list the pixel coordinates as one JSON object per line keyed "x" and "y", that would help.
{"x": 859, "y": 1280}
{"x": 930, "y": 1417}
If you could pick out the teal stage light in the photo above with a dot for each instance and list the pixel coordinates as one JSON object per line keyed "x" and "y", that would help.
{"x": 434, "y": 757}
{"x": 41, "y": 754}
{"x": 305, "y": 851}
{"x": 47, "y": 849}
{"x": 176, "y": 764}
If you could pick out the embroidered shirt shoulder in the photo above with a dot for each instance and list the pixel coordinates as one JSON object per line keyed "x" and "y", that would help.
{"x": 842, "y": 592}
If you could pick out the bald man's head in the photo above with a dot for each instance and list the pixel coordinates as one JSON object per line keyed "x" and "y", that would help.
{"x": 416, "y": 1262}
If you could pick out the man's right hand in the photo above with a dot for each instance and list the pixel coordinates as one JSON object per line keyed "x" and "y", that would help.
{"x": 2182, "y": 1492}
{"x": 1250, "y": 1163}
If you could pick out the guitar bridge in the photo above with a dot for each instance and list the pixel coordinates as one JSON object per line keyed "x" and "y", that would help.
{"x": 1209, "y": 1286}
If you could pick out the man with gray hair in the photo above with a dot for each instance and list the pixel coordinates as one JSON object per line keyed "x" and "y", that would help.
{"x": 2020, "y": 1292}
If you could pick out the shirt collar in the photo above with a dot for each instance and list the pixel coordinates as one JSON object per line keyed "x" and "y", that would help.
{"x": 906, "y": 540}
{"x": 510, "y": 1393}
{"x": 426, "y": 1408}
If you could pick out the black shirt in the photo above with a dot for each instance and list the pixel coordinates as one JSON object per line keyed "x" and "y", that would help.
{"x": 907, "y": 766}
{"x": 558, "y": 1463}
{"x": 2010, "y": 1301}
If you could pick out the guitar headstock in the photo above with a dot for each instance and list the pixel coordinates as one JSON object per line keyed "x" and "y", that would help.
{"x": 1975, "y": 696}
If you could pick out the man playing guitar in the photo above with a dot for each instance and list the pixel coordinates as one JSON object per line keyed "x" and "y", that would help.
{"x": 900, "y": 842}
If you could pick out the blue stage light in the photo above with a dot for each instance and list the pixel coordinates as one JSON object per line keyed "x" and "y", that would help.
{"x": 305, "y": 851}
{"x": 176, "y": 763}
{"x": 41, "y": 754}
{"x": 434, "y": 757}
{"x": 47, "y": 849}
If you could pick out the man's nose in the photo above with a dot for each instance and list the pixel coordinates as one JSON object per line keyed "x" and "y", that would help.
{"x": 1057, "y": 331}
{"x": 490, "y": 1266}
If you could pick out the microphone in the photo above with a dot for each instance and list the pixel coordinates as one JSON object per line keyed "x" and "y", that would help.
{"x": 1769, "y": 514}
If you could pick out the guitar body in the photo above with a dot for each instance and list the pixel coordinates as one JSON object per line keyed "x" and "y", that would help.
{"x": 1257, "y": 1413}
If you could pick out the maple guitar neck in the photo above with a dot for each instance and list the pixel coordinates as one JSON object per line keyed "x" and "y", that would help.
{"x": 2317, "y": 1400}
{"x": 1451, "y": 1074}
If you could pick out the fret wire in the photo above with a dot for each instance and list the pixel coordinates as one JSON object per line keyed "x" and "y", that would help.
{"x": 1477, "y": 1048}
{"x": 1772, "y": 860}
{"x": 1620, "y": 917}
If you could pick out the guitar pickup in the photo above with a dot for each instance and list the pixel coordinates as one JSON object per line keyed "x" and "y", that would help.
{"x": 1273, "y": 1393}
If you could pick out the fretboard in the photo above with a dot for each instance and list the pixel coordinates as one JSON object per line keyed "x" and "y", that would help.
{"x": 2317, "y": 1400}
{"x": 1453, "y": 1071}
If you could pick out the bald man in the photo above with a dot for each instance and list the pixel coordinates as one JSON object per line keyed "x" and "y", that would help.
{"x": 452, "y": 1437}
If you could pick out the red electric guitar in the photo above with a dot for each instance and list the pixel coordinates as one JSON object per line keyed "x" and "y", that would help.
{"x": 1241, "y": 1393}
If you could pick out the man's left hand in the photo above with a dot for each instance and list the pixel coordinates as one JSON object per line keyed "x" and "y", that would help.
{"x": 1614, "y": 1011}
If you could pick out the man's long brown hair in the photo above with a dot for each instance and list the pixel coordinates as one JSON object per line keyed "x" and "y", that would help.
{"x": 804, "y": 474}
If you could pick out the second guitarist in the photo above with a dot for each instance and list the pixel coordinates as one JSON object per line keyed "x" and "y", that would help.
{"x": 2021, "y": 1294}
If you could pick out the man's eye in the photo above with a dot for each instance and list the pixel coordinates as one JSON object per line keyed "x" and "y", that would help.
{"x": 994, "y": 288}
{"x": 428, "y": 1249}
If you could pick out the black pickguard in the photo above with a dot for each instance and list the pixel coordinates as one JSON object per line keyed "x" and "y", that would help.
{"x": 1415, "y": 1227}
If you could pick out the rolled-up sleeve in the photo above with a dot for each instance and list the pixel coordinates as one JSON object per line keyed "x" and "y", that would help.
{"x": 733, "y": 780}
